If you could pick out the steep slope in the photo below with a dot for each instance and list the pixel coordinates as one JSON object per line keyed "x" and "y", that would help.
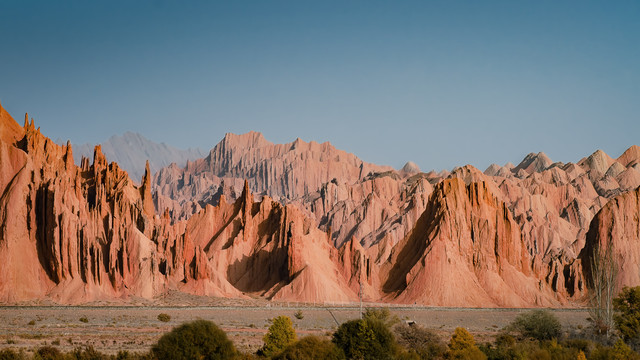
{"x": 617, "y": 225}
{"x": 131, "y": 151}
{"x": 75, "y": 234}
{"x": 466, "y": 237}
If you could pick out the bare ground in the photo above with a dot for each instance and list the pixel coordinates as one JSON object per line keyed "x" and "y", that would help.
{"x": 110, "y": 329}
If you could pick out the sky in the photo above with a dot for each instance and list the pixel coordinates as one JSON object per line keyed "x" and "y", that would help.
{"x": 440, "y": 83}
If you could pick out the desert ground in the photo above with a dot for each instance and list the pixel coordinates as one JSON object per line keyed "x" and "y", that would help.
{"x": 135, "y": 327}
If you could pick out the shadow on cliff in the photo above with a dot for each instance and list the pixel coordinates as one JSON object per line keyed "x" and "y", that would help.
{"x": 45, "y": 225}
{"x": 414, "y": 247}
{"x": 260, "y": 271}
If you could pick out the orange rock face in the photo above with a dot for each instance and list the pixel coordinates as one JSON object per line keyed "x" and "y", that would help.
{"x": 307, "y": 222}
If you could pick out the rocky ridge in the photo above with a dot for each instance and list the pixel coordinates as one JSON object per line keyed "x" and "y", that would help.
{"x": 307, "y": 222}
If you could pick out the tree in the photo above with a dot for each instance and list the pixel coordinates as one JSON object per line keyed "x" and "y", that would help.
{"x": 381, "y": 314}
{"x": 537, "y": 324}
{"x": 200, "y": 339}
{"x": 621, "y": 351}
{"x": 604, "y": 271}
{"x": 311, "y": 347}
{"x": 365, "y": 339}
{"x": 280, "y": 335}
{"x": 423, "y": 342}
{"x": 627, "y": 319}
{"x": 463, "y": 346}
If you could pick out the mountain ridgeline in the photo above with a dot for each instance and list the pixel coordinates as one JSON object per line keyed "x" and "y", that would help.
{"x": 308, "y": 222}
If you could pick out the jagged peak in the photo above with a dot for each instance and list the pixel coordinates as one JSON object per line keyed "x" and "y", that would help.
{"x": 98, "y": 156}
{"x": 492, "y": 169}
{"x": 246, "y": 193}
{"x": 68, "y": 157}
{"x": 251, "y": 139}
{"x": 534, "y": 163}
{"x": 411, "y": 168}
{"x": 10, "y": 130}
{"x": 598, "y": 161}
{"x": 468, "y": 174}
{"x": 632, "y": 154}
{"x": 146, "y": 178}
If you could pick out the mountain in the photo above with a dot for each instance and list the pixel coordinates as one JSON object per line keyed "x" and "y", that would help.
{"x": 281, "y": 171}
{"x": 308, "y": 222}
{"x": 132, "y": 150}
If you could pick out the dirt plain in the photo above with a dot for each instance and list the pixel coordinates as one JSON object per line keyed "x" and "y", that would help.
{"x": 134, "y": 325}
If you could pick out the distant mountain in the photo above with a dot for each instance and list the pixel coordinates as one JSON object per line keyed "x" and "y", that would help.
{"x": 132, "y": 150}
{"x": 282, "y": 171}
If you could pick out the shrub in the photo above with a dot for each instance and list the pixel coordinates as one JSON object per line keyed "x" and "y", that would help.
{"x": 298, "y": 314}
{"x": 537, "y": 324}
{"x": 365, "y": 339}
{"x": 311, "y": 347}
{"x": 423, "y": 342}
{"x": 48, "y": 353}
{"x": 164, "y": 317}
{"x": 84, "y": 319}
{"x": 125, "y": 355}
{"x": 280, "y": 335}
{"x": 9, "y": 354}
{"x": 381, "y": 314}
{"x": 621, "y": 351}
{"x": 32, "y": 322}
{"x": 627, "y": 320}
{"x": 200, "y": 339}
{"x": 463, "y": 346}
{"x": 88, "y": 353}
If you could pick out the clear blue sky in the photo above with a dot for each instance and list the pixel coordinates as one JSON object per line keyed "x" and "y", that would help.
{"x": 442, "y": 83}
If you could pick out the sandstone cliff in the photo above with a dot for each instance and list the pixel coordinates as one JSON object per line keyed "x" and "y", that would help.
{"x": 308, "y": 222}
{"x": 76, "y": 234}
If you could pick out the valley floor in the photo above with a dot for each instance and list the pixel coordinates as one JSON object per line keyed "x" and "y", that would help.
{"x": 136, "y": 328}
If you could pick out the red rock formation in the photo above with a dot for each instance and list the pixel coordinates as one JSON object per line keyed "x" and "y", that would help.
{"x": 508, "y": 237}
{"x": 76, "y": 234}
{"x": 617, "y": 225}
{"x": 466, "y": 237}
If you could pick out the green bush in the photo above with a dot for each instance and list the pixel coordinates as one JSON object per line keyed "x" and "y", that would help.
{"x": 311, "y": 347}
{"x": 299, "y": 315}
{"x": 381, "y": 314}
{"x": 420, "y": 341}
{"x": 48, "y": 353}
{"x": 365, "y": 339}
{"x": 87, "y": 353}
{"x": 463, "y": 346}
{"x": 84, "y": 319}
{"x": 200, "y": 339}
{"x": 125, "y": 355}
{"x": 618, "y": 351}
{"x": 627, "y": 320}
{"x": 537, "y": 324}
{"x": 164, "y": 317}
{"x": 280, "y": 335}
{"x": 10, "y": 354}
